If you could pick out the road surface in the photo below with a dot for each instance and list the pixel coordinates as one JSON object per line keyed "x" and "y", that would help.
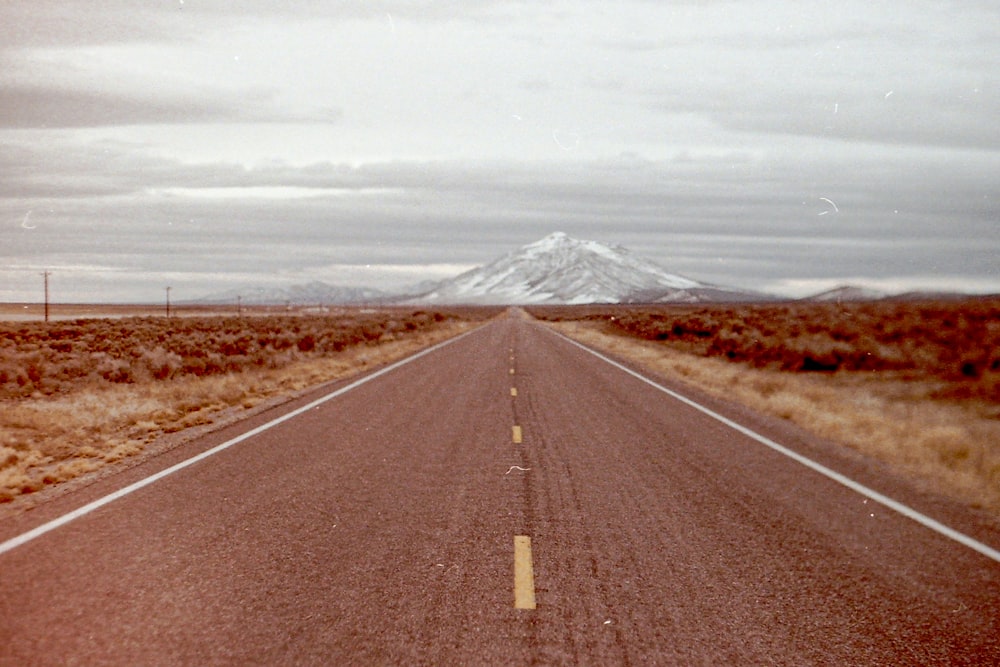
{"x": 507, "y": 498}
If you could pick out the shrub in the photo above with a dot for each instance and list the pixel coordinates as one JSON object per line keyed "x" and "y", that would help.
{"x": 51, "y": 358}
{"x": 954, "y": 342}
{"x": 307, "y": 343}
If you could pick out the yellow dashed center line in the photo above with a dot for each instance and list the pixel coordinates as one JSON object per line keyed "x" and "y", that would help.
{"x": 524, "y": 574}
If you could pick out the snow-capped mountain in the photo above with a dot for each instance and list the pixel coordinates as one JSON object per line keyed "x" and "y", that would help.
{"x": 308, "y": 294}
{"x": 562, "y": 270}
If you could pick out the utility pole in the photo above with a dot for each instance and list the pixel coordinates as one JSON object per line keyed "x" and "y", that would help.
{"x": 239, "y": 306}
{"x": 168, "y": 303}
{"x": 45, "y": 275}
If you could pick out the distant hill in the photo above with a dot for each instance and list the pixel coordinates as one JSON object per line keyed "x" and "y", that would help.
{"x": 848, "y": 293}
{"x": 309, "y": 294}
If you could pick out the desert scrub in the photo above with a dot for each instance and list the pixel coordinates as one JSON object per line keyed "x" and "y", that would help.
{"x": 952, "y": 343}
{"x": 51, "y": 359}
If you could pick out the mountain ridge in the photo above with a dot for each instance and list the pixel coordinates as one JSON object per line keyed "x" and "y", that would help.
{"x": 307, "y": 294}
{"x": 557, "y": 269}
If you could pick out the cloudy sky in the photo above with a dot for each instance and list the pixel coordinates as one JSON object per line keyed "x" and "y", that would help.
{"x": 781, "y": 145}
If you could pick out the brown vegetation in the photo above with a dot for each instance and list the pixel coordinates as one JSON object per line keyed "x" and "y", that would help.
{"x": 44, "y": 359}
{"x": 955, "y": 344}
{"x": 916, "y": 384}
{"x": 76, "y": 395}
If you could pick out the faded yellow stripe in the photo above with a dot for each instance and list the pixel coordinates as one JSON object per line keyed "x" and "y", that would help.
{"x": 512, "y": 371}
{"x": 524, "y": 574}
{"x": 516, "y": 433}
{"x": 513, "y": 391}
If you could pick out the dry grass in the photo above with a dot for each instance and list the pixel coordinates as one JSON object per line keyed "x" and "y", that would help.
{"x": 953, "y": 446}
{"x": 954, "y": 343}
{"x": 35, "y": 312}
{"x": 73, "y": 424}
{"x": 48, "y": 359}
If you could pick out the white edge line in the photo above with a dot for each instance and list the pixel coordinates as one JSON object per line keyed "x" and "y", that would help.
{"x": 886, "y": 501}
{"x": 24, "y": 538}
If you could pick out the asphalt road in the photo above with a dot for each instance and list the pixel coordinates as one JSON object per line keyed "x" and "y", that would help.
{"x": 432, "y": 516}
